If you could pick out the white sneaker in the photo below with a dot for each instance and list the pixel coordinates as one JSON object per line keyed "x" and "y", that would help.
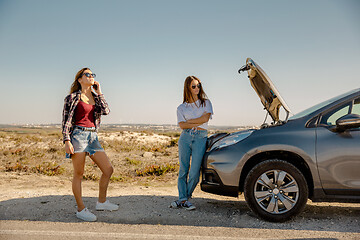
{"x": 106, "y": 206}
{"x": 86, "y": 215}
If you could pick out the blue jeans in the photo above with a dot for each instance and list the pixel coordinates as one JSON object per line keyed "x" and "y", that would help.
{"x": 191, "y": 143}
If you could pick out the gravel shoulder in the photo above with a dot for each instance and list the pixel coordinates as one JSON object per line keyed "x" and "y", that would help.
{"x": 32, "y": 199}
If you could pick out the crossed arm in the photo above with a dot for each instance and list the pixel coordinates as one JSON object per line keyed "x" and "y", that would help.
{"x": 195, "y": 122}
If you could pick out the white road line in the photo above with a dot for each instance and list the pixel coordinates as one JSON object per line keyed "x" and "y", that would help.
{"x": 115, "y": 235}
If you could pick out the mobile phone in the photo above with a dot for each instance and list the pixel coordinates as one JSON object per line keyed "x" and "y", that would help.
{"x": 95, "y": 86}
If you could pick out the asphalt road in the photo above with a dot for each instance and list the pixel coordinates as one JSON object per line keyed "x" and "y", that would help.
{"x": 55, "y": 230}
{"x": 46, "y": 210}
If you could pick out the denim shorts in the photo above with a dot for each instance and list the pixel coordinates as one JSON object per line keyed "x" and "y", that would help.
{"x": 85, "y": 141}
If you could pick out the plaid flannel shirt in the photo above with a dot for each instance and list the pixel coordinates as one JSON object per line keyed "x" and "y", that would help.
{"x": 71, "y": 101}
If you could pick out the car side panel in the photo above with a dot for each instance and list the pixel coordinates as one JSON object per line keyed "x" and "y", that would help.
{"x": 338, "y": 155}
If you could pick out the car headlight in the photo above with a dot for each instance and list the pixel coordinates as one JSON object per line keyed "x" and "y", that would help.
{"x": 232, "y": 139}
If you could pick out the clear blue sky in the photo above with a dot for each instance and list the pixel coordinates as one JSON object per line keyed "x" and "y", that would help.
{"x": 142, "y": 51}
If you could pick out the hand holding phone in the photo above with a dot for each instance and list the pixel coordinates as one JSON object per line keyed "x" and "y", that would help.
{"x": 96, "y": 87}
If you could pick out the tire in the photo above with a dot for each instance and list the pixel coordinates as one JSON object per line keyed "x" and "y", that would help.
{"x": 276, "y": 190}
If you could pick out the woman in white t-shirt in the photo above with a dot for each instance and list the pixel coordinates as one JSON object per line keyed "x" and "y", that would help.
{"x": 192, "y": 116}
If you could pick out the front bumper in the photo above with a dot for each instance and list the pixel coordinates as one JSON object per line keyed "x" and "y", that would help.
{"x": 212, "y": 183}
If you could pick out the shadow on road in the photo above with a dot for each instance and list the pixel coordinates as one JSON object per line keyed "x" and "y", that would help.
{"x": 154, "y": 210}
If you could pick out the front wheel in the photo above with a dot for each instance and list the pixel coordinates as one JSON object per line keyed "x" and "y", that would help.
{"x": 276, "y": 190}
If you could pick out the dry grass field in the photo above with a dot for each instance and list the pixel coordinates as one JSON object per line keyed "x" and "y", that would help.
{"x": 142, "y": 156}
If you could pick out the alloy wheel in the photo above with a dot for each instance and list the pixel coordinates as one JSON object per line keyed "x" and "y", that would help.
{"x": 276, "y": 191}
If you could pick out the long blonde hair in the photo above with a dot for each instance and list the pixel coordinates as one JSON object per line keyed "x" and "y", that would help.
{"x": 76, "y": 86}
{"x": 187, "y": 91}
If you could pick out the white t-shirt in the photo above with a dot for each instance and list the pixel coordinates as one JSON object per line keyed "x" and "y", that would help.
{"x": 187, "y": 111}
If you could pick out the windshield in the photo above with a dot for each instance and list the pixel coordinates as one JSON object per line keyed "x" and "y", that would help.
{"x": 321, "y": 105}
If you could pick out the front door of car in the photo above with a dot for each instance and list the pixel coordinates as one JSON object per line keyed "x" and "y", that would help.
{"x": 338, "y": 153}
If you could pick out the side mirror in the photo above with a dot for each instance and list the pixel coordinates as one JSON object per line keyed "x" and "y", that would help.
{"x": 347, "y": 122}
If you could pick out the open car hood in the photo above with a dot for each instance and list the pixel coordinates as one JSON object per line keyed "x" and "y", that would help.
{"x": 265, "y": 89}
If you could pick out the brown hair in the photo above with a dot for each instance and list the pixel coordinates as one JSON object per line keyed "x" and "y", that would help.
{"x": 76, "y": 86}
{"x": 187, "y": 91}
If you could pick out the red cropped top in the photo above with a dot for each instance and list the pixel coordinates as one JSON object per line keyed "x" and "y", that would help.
{"x": 84, "y": 115}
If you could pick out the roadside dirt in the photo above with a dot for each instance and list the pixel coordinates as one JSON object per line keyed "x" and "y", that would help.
{"x": 38, "y": 198}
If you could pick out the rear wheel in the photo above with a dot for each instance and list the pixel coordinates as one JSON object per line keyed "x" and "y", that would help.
{"x": 276, "y": 190}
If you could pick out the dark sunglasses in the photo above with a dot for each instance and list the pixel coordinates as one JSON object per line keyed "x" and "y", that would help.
{"x": 90, "y": 75}
{"x": 194, "y": 86}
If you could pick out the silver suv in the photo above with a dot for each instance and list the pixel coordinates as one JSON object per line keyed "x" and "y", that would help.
{"x": 314, "y": 154}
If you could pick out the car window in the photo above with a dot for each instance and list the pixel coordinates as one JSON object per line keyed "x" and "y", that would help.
{"x": 336, "y": 115}
{"x": 321, "y": 105}
{"x": 331, "y": 117}
{"x": 356, "y": 107}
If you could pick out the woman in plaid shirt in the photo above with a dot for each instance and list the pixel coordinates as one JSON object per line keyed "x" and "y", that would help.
{"x": 81, "y": 118}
